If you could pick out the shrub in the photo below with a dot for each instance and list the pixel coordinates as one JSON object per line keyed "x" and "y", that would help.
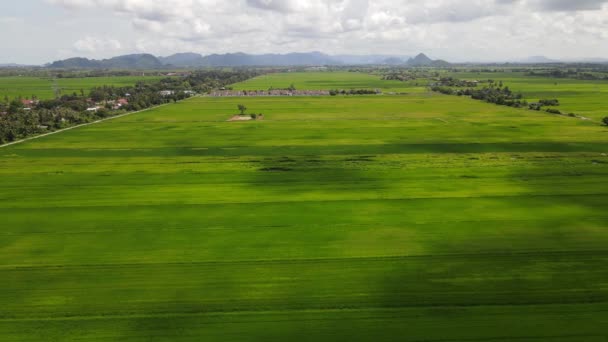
{"x": 549, "y": 102}
{"x": 605, "y": 121}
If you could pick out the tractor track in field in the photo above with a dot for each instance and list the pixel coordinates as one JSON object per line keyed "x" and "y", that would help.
{"x": 437, "y": 258}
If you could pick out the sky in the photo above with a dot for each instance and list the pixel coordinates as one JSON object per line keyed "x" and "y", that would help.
{"x": 41, "y": 31}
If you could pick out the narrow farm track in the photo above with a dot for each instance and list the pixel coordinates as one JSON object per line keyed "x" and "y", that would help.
{"x": 453, "y": 221}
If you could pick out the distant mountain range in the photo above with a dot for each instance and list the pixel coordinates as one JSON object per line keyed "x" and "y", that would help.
{"x": 195, "y": 60}
{"x": 546, "y": 60}
{"x": 137, "y": 61}
{"x": 538, "y": 60}
{"x": 183, "y": 60}
{"x": 13, "y": 65}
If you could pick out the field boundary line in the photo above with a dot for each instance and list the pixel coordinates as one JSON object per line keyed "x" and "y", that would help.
{"x": 254, "y": 312}
{"x": 290, "y": 261}
{"x": 81, "y": 125}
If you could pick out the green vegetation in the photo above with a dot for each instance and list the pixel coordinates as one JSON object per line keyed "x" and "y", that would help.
{"x": 594, "y": 73}
{"x": 335, "y": 92}
{"x": 587, "y": 98}
{"x": 44, "y": 88}
{"x": 325, "y": 81}
{"x": 421, "y": 217}
{"x": 492, "y": 93}
{"x": 23, "y": 118}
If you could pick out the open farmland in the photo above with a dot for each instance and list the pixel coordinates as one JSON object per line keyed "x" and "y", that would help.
{"x": 583, "y": 97}
{"x": 43, "y": 88}
{"x": 328, "y": 81}
{"x": 420, "y": 217}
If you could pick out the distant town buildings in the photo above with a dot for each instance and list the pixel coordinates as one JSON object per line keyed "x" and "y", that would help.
{"x": 275, "y": 92}
{"x": 317, "y": 68}
{"x": 166, "y": 92}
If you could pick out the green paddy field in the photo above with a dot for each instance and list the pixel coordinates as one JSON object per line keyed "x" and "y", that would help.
{"x": 419, "y": 217}
{"x": 43, "y": 88}
{"x": 329, "y": 81}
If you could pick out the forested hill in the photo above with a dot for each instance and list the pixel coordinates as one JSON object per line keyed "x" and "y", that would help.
{"x": 137, "y": 61}
{"x": 146, "y": 61}
{"x": 180, "y": 60}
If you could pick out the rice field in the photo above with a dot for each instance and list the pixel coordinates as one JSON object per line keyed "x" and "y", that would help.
{"x": 328, "y": 81}
{"x": 43, "y": 88}
{"x": 419, "y": 217}
{"x": 582, "y": 97}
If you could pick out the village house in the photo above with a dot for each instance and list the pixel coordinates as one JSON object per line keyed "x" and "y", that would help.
{"x": 117, "y": 104}
{"x": 28, "y": 104}
{"x": 120, "y": 103}
{"x": 166, "y": 92}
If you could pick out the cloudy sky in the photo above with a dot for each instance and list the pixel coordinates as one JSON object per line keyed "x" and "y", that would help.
{"x": 40, "y": 31}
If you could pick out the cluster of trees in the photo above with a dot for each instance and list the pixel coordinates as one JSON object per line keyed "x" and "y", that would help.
{"x": 335, "y": 92}
{"x": 19, "y": 123}
{"x": 493, "y": 93}
{"x": 409, "y": 75}
{"x": 454, "y": 82}
{"x": 499, "y": 94}
{"x": 243, "y": 109}
{"x": 291, "y": 87}
{"x": 20, "y": 119}
{"x": 547, "y": 103}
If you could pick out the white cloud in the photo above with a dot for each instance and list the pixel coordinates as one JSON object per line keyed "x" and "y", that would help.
{"x": 475, "y": 29}
{"x": 91, "y": 45}
{"x": 568, "y": 5}
{"x": 10, "y": 20}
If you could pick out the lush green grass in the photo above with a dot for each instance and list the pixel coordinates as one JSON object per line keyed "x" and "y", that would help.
{"x": 585, "y": 98}
{"x": 328, "y": 81}
{"x": 415, "y": 218}
{"x": 26, "y": 87}
{"x": 43, "y": 88}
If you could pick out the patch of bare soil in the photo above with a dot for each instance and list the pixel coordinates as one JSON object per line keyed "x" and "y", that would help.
{"x": 240, "y": 118}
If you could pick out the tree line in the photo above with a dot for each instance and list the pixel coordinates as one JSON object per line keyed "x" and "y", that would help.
{"x": 497, "y": 93}
{"x": 335, "y": 92}
{"x": 579, "y": 74}
{"x": 494, "y": 92}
